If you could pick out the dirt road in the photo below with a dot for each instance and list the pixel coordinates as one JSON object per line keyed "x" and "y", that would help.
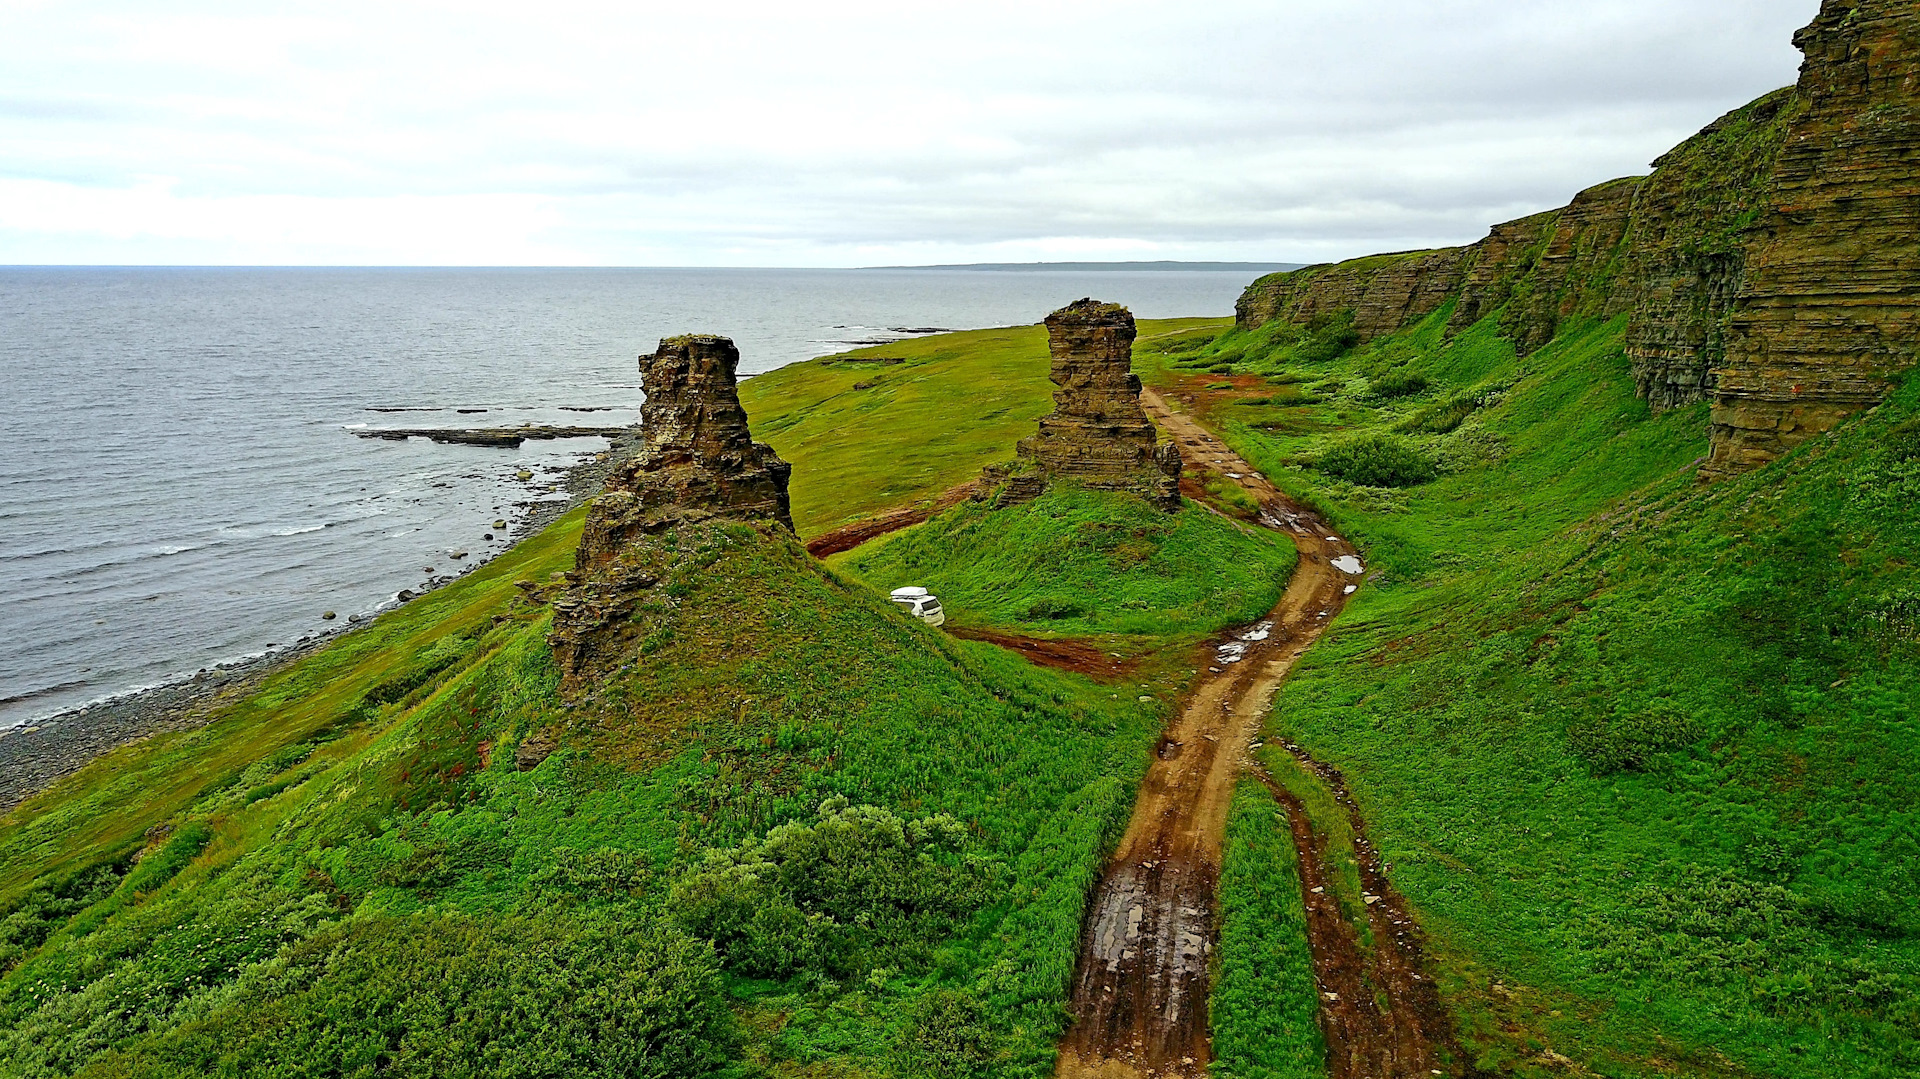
{"x": 1140, "y": 991}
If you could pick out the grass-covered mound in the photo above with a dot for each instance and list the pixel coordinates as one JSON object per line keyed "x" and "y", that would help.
{"x": 1642, "y": 753}
{"x": 801, "y": 827}
{"x": 1075, "y": 562}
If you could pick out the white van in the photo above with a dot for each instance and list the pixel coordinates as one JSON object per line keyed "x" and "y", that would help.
{"x": 921, "y": 604}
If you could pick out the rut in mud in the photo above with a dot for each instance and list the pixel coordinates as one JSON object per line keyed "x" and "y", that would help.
{"x": 1380, "y": 1012}
{"x": 1140, "y": 989}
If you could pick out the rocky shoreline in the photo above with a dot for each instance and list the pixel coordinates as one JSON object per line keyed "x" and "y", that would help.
{"x": 35, "y": 756}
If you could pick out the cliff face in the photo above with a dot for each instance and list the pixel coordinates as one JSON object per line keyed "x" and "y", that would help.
{"x": 1540, "y": 268}
{"x": 1770, "y": 263}
{"x": 1830, "y": 308}
{"x": 1688, "y": 256}
{"x": 1385, "y": 292}
{"x": 698, "y": 463}
{"x": 1097, "y": 434}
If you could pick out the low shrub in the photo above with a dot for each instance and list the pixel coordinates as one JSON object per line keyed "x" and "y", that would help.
{"x": 854, "y": 889}
{"x": 1377, "y": 461}
{"x": 1399, "y": 382}
{"x": 1624, "y": 743}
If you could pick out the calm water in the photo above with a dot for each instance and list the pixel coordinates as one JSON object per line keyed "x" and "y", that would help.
{"x": 184, "y": 489}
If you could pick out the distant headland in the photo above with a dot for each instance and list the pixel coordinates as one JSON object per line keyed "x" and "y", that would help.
{"x": 1084, "y": 267}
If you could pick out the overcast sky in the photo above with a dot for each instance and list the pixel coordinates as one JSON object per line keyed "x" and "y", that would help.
{"x": 827, "y": 133}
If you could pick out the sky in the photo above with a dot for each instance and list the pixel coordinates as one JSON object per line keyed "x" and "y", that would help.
{"x": 833, "y": 133}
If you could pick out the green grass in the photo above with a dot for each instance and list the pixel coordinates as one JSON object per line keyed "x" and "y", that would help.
{"x": 957, "y": 403}
{"x": 1641, "y": 753}
{"x": 1079, "y": 562}
{"x": 1264, "y": 999}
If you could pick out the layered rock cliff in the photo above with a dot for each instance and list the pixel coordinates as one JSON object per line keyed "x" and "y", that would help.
{"x": 697, "y": 463}
{"x": 1830, "y": 309}
{"x": 1385, "y": 292}
{"x": 1540, "y": 269}
{"x": 1688, "y": 257}
{"x": 1771, "y": 263}
{"x": 1098, "y": 435}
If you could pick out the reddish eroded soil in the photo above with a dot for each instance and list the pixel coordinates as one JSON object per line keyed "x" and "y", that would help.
{"x": 847, "y": 537}
{"x": 1060, "y": 653}
{"x": 1140, "y": 991}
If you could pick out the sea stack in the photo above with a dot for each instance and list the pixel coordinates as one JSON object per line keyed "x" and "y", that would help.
{"x": 697, "y": 463}
{"x": 1830, "y": 309}
{"x": 1098, "y": 436}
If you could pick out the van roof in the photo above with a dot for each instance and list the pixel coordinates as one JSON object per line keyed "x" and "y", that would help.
{"x": 912, "y": 591}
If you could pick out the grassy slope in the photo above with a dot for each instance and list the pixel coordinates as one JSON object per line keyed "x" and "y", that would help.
{"x": 1642, "y": 753}
{"x": 371, "y": 785}
{"x": 959, "y": 402}
{"x": 1077, "y": 562}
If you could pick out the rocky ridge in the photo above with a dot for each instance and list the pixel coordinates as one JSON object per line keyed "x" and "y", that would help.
{"x": 697, "y": 462}
{"x": 1097, "y": 435}
{"x": 1771, "y": 263}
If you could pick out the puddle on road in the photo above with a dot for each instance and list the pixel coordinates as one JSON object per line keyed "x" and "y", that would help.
{"x": 1349, "y": 564}
{"x": 1236, "y": 650}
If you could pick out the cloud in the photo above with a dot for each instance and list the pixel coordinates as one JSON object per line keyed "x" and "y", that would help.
{"x": 838, "y": 133}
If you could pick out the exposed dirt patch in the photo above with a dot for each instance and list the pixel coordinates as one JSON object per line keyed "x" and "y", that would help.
{"x": 847, "y": 537}
{"x": 1061, "y": 653}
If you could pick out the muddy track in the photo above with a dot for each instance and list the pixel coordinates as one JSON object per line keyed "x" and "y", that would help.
{"x": 847, "y": 537}
{"x": 1140, "y": 988}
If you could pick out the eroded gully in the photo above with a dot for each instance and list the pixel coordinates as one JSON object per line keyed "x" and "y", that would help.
{"x": 1140, "y": 987}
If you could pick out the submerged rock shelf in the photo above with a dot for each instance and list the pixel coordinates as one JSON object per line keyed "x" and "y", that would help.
{"x": 492, "y": 436}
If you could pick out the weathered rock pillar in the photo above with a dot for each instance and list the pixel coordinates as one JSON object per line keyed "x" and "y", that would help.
{"x": 1830, "y": 309}
{"x": 1098, "y": 435}
{"x": 697, "y": 463}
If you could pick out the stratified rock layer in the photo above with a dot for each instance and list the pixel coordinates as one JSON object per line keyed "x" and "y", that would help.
{"x": 1385, "y": 292}
{"x": 1540, "y": 269}
{"x": 1688, "y": 257}
{"x": 698, "y": 463}
{"x": 1830, "y": 309}
{"x": 1098, "y": 435}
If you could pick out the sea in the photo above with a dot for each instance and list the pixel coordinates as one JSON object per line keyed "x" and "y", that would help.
{"x": 185, "y": 488}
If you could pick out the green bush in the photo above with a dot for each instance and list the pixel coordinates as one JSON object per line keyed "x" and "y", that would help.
{"x": 1399, "y": 382}
{"x": 1442, "y": 417}
{"x": 1329, "y": 337}
{"x": 1625, "y": 743}
{"x": 856, "y": 889}
{"x": 1050, "y": 608}
{"x": 948, "y": 1036}
{"x": 1377, "y": 461}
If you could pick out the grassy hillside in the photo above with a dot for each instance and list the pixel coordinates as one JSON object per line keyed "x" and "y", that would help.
{"x": 801, "y": 835}
{"x": 1641, "y": 752}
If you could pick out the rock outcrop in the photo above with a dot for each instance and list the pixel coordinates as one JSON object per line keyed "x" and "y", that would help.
{"x": 1385, "y": 292}
{"x": 698, "y": 463}
{"x": 1577, "y": 269}
{"x": 1688, "y": 256}
{"x": 1098, "y": 435}
{"x": 1830, "y": 308}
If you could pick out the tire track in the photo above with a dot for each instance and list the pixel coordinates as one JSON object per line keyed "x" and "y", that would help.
{"x": 1140, "y": 988}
